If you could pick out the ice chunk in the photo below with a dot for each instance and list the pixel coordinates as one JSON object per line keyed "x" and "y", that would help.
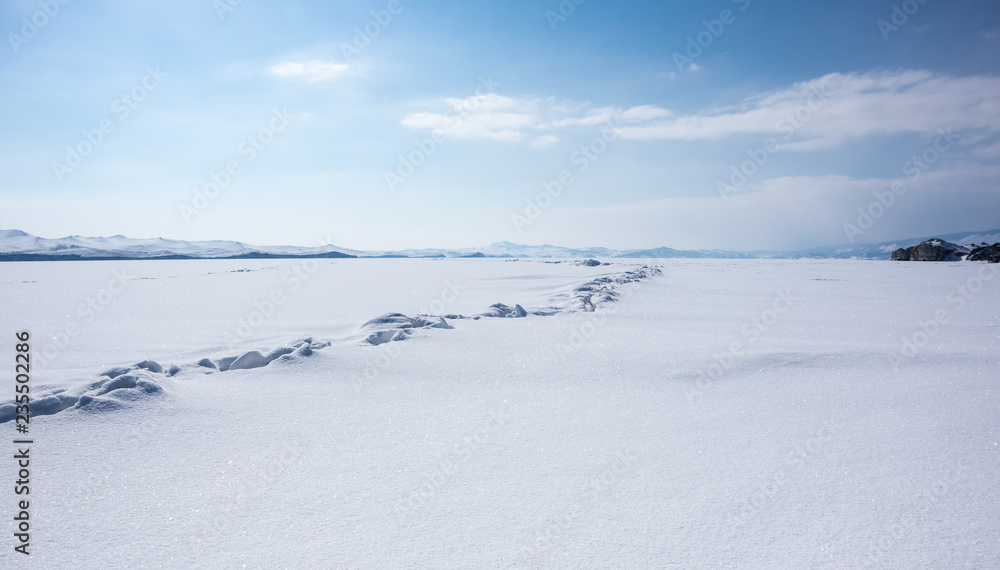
{"x": 224, "y": 363}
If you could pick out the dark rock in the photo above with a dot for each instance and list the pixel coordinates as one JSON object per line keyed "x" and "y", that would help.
{"x": 990, "y": 253}
{"x": 931, "y": 250}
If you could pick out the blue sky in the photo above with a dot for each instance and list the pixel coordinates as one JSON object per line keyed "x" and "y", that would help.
{"x": 277, "y": 123}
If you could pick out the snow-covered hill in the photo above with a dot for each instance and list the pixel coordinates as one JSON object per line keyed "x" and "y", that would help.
{"x": 884, "y": 250}
{"x": 17, "y": 245}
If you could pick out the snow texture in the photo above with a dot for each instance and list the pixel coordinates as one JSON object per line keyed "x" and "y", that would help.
{"x": 693, "y": 414}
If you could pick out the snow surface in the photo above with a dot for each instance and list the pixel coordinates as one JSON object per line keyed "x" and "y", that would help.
{"x": 733, "y": 413}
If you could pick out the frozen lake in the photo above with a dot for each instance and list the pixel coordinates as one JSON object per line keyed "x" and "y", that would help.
{"x": 735, "y": 413}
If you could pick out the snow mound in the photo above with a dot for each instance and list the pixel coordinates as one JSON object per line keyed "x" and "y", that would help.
{"x": 115, "y": 372}
{"x": 255, "y": 359}
{"x": 394, "y": 327}
{"x": 601, "y": 290}
{"x": 151, "y": 365}
{"x": 123, "y": 381}
{"x": 119, "y": 386}
{"x": 397, "y": 326}
{"x": 499, "y": 310}
{"x": 132, "y": 385}
{"x": 401, "y": 321}
{"x": 252, "y": 359}
{"x": 45, "y": 406}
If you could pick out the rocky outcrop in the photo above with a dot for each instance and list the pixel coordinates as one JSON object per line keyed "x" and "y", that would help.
{"x": 902, "y": 254}
{"x": 990, "y": 253}
{"x": 931, "y": 250}
{"x": 940, "y": 250}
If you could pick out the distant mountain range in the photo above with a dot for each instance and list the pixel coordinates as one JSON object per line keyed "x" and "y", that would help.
{"x": 16, "y": 245}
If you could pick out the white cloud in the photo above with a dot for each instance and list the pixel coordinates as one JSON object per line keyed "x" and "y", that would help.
{"x": 592, "y": 118}
{"x": 808, "y": 145}
{"x": 487, "y": 103}
{"x": 812, "y": 115}
{"x": 483, "y": 117}
{"x": 643, "y": 113}
{"x": 510, "y": 119}
{"x": 313, "y": 71}
{"x": 544, "y": 141}
{"x": 488, "y": 116}
{"x": 851, "y": 106}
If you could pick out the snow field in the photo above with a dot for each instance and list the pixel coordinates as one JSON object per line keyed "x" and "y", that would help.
{"x": 724, "y": 413}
